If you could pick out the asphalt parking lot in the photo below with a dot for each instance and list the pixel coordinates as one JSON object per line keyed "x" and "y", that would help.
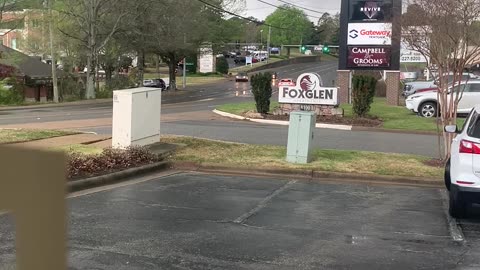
{"x": 200, "y": 221}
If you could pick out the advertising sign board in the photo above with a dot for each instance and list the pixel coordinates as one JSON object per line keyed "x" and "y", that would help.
{"x": 308, "y": 90}
{"x": 206, "y": 59}
{"x": 411, "y": 56}
{"x": 369, "y": 34}
{"x": 368, "y": 57}
{"x": 370, "y": 11}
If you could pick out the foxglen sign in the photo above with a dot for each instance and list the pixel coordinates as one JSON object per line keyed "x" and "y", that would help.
{"x": 308, "y": 90}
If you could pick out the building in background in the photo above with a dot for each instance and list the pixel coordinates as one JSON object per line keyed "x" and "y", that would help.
{"x": 25, "y": 31}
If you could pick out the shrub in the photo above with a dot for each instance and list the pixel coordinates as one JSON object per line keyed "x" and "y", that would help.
{"x": 262, "y": 91}
{"x": 71, "y": 88}
{"x": 109, "y": 160}
{"x": 13, "y": 95}
{"x": 363, "y": 92}
{"x": 222, "y": 65}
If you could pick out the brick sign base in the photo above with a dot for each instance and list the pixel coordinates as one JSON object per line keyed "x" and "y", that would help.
{"x": 322, "y": 110}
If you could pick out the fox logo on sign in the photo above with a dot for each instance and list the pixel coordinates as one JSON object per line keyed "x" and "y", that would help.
{"x": 308, "y": 82}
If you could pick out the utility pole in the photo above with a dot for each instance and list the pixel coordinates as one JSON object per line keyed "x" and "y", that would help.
{"x": 184, "y": 64}
{"x": 261, "y": 39}
{"x": 52, "y": 52}
{"x": 268, "y": 42}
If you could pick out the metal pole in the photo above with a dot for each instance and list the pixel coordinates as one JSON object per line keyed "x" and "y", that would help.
{"x": 261, "y": 39}
{"x": 52, "y": 52}
{"x": 184, "y": 72}
{"x": 268, "y": 42}
{"x": 184, "y": 81}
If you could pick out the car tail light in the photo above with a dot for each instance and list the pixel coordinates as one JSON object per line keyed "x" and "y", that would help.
{"x": 468, "y": 147}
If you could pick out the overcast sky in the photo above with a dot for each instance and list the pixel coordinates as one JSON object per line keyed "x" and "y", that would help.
{"x": 260, "y": 10}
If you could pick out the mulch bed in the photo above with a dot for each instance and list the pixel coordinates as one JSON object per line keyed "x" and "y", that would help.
{"x": 351, "y": 121}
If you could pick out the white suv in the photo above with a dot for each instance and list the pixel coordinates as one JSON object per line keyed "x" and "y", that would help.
{"x": 426, "y": 104}
{"x": 462, "y": 171}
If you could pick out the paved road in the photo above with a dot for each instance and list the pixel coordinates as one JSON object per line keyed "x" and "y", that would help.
{"x": 194, "y": 118}
{"x": 197, "y": 221}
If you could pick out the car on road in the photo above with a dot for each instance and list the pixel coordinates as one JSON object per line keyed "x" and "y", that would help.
{"x": 411, "y": 88}
{"x": 241, "y": 77}
{"x": 426, "y": 104}
{"x": 156, "y": 83}
{"x": 462, "y": 170}
{"x": 240, "y": 60}
{"x": 286, "y": 82}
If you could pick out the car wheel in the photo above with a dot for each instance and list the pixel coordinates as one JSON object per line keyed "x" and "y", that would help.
{"x": 428, "y": 110}
{"x": 446, "y": 175}
{"x": 457, "y": 206}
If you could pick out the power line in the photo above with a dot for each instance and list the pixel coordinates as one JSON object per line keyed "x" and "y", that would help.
{"x": 280, "y": 7}
{"x": 294, "y": 5}
{"x": 245, "y": 18}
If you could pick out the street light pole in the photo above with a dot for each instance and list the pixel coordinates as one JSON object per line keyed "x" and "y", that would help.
{"x": 184, "y": 81}
{"x": 261, "y": 38}
{"x": 268, "y": 42}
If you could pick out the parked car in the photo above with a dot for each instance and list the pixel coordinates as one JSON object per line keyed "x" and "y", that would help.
{"x": 462, "y": 170}
{"x": 426, "y": 104}
{"x": 240, "y": 60}
{"x": 241, "y": 77}
{"x": 156, "y": 83}
{"x": 411, "y": 88}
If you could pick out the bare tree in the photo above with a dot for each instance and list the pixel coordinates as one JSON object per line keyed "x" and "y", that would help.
{"x": 447, "y": 32}
{"x": 96, "y": 21}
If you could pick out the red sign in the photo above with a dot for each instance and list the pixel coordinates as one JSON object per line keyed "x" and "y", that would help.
{"x": 368, "y": 57}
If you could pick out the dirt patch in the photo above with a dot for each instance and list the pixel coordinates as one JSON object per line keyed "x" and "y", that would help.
{"x": 437, "y": 163}
{"x": 351, "y": 121}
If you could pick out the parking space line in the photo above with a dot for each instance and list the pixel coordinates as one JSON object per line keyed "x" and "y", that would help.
{"x": 455, "y": 230}
{"x": 263, "y": 203}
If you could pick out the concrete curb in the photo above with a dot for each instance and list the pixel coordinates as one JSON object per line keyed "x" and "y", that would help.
{"x": 230, "y": 115}
{"x": 277, "y": 122}
{"x": 82, "y": 184}
{"x": 307, "y": 174}
{"x": 373, "y": 129}
{"x": 56, "y": 105}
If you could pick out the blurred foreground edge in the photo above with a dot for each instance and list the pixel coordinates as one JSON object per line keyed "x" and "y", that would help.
{"x": 33, "y": 189}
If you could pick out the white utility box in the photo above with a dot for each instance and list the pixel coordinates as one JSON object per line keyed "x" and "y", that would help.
{"x": 136, "y": 117}
{"x": 300, "y": 137}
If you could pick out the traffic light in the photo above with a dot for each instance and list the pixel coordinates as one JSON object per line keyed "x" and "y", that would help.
{"x": 326, "y": 49}
{"x": 303, "y": 48}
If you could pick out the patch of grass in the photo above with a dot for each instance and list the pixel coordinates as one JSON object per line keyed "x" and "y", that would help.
{"x": 25, "y": 135}
{"x": 394, "y": 117}
{"x": 266, "y": 156}
{"x": 80, "y": 149}
{"x": 398, "y": 117}
{"x": 243, "y": 107}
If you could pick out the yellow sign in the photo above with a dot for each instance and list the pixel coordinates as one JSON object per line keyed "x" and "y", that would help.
{"x": 33, "y": 189}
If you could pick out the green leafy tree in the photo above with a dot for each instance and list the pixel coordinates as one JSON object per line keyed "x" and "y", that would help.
{"x": 328, "y": 28}
{"x": 297, "y": 26}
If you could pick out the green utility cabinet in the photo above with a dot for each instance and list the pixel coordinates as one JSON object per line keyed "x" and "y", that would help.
{"x": 300, "y": 137}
